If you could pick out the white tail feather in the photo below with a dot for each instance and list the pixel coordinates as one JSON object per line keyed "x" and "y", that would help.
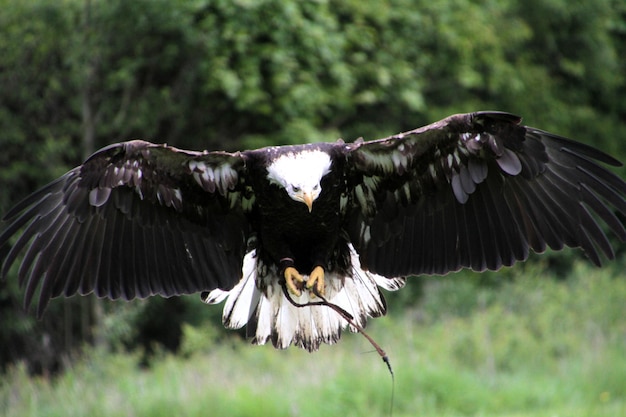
{"x": 271, "y": 316}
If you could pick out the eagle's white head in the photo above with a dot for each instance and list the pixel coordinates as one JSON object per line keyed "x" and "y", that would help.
{"x": 300, "y": 174}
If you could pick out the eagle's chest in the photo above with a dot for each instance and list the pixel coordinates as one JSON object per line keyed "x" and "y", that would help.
{"x": 292, "y": 219}
{"x": 287, "y": 229}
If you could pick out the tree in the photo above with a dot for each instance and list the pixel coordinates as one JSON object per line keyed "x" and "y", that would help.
{"x": 80, "y": 74}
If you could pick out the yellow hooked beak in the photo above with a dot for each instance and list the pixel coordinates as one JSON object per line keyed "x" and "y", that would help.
{"x": 307, "y": 198}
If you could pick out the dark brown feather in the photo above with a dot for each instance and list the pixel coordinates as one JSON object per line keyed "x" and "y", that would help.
{"x": 484, "y": 190}
{"x": 132, "y": 221}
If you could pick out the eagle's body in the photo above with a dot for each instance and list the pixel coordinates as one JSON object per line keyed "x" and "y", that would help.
{"x": 289, "y": 233}
{"x": 267, "y": 229}
{"x": 287, "y": 229}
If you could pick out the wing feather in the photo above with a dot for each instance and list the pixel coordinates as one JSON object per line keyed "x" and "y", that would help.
{"x": 90, "y": 241}
{"x": 75, "y": 238}
{"x": 135, "y": 220}
{"x": 479, "y": 191}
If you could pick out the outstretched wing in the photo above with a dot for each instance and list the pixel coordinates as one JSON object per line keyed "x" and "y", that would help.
{"x": 478, "y": 191}
{"x": 136, "y": 219}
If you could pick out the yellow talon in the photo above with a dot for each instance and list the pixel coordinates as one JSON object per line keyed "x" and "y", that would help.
{"x": 316, "y": 278}
{"x": 293, "y": 279}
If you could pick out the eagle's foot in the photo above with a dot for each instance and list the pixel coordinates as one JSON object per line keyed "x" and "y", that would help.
{"x": 294, "y": 281}
{"x": 316, "y": 279}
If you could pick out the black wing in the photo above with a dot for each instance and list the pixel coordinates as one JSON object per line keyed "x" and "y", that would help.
{"x": 136, "y": 219}
{"x": 478, "y": 191}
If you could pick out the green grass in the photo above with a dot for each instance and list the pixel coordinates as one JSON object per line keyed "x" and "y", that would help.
{"x": 534, "y": 347}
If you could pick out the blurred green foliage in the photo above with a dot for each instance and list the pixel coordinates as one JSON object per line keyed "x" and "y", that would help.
{"x": 76, "y": 75}
{"x": 533, "y": 347}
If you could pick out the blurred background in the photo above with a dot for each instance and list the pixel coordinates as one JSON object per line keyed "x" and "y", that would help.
{"x": 544, "y": 338}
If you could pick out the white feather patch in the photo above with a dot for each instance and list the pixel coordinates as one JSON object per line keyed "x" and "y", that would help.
{"x": 242, "y": 300}
{"x": 276, "y": 319}
{"x": 303, "y": 169}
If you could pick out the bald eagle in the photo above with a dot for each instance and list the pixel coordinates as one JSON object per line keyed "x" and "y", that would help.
{"x": 271, "y": 229}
